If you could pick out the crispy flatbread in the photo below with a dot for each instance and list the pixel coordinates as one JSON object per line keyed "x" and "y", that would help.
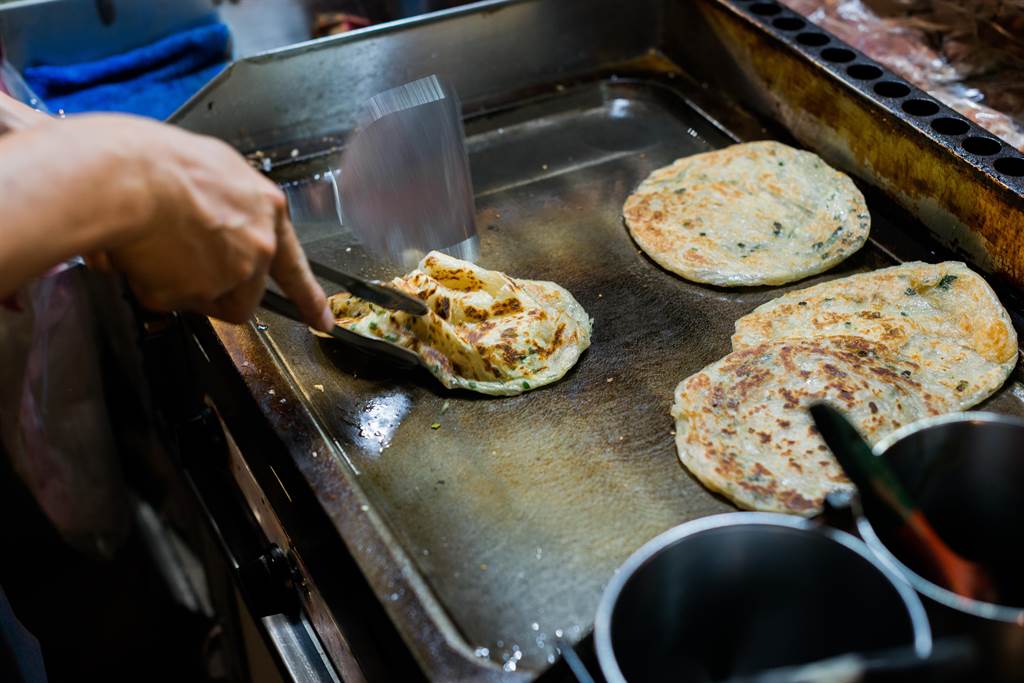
{"x": 743, "y": 429}
{"x": 484, "y": 331}
{"x": 751, "y": 214}
{"x": 942, "y": 317}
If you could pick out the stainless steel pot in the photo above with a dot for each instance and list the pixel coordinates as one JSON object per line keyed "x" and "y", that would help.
{"x": 966, "y": 471}
{"x": 742, "y": 592}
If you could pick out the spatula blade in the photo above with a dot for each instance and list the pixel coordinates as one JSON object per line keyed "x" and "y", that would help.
{"x": 405, "y": 183}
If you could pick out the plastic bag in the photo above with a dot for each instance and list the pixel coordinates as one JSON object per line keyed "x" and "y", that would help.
{"x": 55, "y": 427}
{"x": 54, "y": 424}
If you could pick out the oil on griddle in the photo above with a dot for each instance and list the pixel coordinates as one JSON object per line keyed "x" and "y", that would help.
{"x": 517, "y": 510}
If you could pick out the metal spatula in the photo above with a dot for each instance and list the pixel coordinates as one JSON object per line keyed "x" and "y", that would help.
{"x": 404, "y": 182}
{"x": 272, "y": 301}
{"x": 373, "y": 291}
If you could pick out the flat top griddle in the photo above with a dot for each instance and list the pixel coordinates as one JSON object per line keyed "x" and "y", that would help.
{"x": 515, "y": 512}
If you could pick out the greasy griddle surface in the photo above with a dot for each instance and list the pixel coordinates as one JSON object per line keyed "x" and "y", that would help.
{"x": 518, "y": 510}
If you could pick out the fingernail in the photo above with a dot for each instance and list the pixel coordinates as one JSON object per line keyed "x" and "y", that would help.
{"x": 326, "y": 320}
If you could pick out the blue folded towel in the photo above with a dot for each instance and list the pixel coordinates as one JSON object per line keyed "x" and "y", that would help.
{"x": 153, "y": 80}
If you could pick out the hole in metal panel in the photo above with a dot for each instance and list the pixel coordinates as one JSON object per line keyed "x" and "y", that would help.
{"x": 864, "y": 72}
{"x": 765, "y": 9}
{"x": 837, "y": 54}
{"x": 920, "y": 107}
{"x": 812, "y": 39}
{"x": 1011, "y": 166}
{"x": 789, "y": 23}
{"x": 983, "y": 147}
{"x": 892, "y": 89}
{"x": 947, "y": 125}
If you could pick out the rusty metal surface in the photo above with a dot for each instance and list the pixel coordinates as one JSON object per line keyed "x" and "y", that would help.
{"x": 499, "y": 528}
{"x": 863, "y": 119}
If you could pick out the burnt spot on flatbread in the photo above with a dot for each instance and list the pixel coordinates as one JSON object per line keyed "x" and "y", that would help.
{"x": 442, "y": 306}
{"x": 764, "y": 491}
{"x": 509, "y": 354}
{"x": 843, "y": 392}
{"x": 462, "y": 279}
{"x": 506, "y": 307}
{"x": 796, "y": 502}
{"x": 763, "y": 437}
{"x": 832, "y": 371}
{"x": 726, "y": 466}
{"x": 893, "y": 376}
{"x": 474, "y": 313}
{"x": 759, "y": 472}
{"x": 792, "y": 399}
{"x": 556, "y": 342}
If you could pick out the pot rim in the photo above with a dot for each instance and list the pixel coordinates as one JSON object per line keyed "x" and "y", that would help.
{"x": 920, "y": 626}
{"x": 979, "y": 608}
{"x": 937, "y": 420}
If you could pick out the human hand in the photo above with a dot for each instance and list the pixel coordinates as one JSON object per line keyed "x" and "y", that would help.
{"x": 211, "y": 229}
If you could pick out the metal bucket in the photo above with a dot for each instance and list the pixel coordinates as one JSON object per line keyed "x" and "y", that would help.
{"x": 742, "y": 592}
{"x": 966, "y": 471}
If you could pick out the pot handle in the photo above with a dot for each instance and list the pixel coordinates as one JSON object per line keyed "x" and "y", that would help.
{"x": 576, "y": 665}
{"x": 840, "y": 510}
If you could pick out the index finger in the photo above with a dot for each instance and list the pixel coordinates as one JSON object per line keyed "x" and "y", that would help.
{"x": 291, "y": 271}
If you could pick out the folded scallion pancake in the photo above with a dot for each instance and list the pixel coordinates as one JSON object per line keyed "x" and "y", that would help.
{"x": 484, "y": 331}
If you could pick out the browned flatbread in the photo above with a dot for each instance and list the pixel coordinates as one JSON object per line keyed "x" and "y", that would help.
{"x": 751, "y": 214}
{"x": 743, "y": 429}
{"x": 941, "y": 317}
{"x": 483, "y": 330}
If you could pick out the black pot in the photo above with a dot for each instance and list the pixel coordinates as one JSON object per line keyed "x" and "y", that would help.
{"x": 742, "y": 592}
{"x": 966, "y": 471}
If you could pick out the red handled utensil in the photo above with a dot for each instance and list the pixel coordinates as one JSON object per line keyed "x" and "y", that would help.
{"x": 874, "y": 480}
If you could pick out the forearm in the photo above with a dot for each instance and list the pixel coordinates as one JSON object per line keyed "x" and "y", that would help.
{"x": 65, "y": 189}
